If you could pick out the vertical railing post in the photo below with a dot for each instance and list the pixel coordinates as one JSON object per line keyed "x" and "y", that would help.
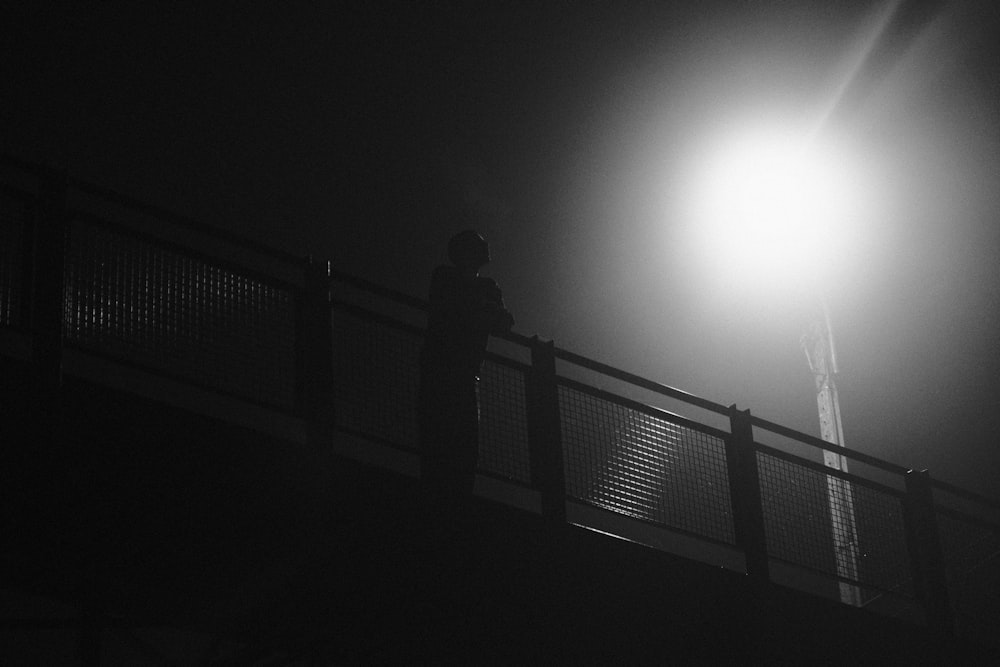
{"x": 744, "y": 492}
{"x": 544, "y": 436}
{"x": 48, "y": 261}
{"x": 315, "y": 352}
{"x": 926, "y": 556}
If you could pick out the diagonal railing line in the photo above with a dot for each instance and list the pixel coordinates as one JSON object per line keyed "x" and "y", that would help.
{"x": 813, "y": 441}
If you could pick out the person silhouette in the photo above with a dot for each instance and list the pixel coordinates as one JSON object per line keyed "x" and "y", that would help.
{"x": 465, "y": 308}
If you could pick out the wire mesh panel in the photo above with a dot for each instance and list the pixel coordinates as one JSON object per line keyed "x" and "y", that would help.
{"x": 972, "y": 563}
{"x": 883, "y": 556}
{"x": 376, "y": 378}
{"x": 643, "y": 465}
{"x": 180, "y": 315}
{"x": 13, "y": 215}
{"x": 796, "y": 513}
{"x": 843, "y": 529}
{"x": 503, "y": 422}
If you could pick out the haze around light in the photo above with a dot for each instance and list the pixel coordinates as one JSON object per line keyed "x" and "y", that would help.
{"x": 774, "y": 204}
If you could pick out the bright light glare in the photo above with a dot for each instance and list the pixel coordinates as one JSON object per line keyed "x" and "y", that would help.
{"x": 773, "y": 205}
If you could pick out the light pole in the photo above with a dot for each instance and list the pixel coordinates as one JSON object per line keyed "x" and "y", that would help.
{"x": 771, "y": 205}
{"x": 821, "y": 354}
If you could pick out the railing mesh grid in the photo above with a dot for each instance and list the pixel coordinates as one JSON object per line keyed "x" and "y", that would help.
{"x": 180, "y": 315}
{"x": 503, "y": 428}
{"x": 883, "y": 556}
{"x": 13, "y": 215}
{"x": 796, "y": 514}
{"x": 833, "y": 526}
{"x": 376, "y": 379}
{"x": 972, "y": 566}
{"x": 644, "y": 466}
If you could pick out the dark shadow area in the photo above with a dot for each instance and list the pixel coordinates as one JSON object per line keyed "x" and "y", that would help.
{"x": 151, "y": 515}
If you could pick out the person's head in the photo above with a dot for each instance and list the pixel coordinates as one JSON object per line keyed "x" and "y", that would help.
{"x": 468, "y": 249}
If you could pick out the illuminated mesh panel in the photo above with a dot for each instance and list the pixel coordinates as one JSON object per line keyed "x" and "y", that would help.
{"x": 644, "y": 466}
{"x": 972, "y": 564}
{"x": 12, "y": 219}
{"x": 181, "y": 315}
{"x": 503, "y": 423}
{"x": 376, "y": 378}
{"x": 803, "y": 511}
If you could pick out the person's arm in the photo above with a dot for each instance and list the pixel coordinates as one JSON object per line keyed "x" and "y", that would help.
{"x": 478, "y": 307}
{"x": 495, "y": 317}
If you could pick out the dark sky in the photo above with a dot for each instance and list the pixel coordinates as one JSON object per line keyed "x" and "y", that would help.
{"x": 565, "y": 131}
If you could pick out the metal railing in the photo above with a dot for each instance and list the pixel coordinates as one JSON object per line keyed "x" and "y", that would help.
{"x": 90, "y": 270}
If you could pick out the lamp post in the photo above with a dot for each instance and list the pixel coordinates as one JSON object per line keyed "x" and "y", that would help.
{"x": 771, "y": 205}
{"x": 822, "y": 357}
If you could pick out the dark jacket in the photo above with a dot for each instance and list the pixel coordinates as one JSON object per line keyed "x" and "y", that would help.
{"x": 463, "y": 313}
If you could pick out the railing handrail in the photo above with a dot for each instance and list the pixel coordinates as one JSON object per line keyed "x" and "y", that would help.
{"x": 631, "y": 378}
{"x": 825, "y": 470}
{"x": 87, "y": 217}
{"x": 813, "y": 441}
{"x": 369, "y": 314}
{"x": 638, "y": 406}
{"x": 380, "y": 290}
{"x": 408, "y": 300}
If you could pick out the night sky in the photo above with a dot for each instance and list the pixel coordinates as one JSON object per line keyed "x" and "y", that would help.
{"x": 567, "y": 132}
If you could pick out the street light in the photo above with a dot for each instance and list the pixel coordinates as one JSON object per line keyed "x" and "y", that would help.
{"x": 773, "y": 206}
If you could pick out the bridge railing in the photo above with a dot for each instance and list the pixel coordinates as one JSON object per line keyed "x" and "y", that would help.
{"x": 151, "y": 290}
{"x": 968, "y": 534}
{"x": 89, "y": 270}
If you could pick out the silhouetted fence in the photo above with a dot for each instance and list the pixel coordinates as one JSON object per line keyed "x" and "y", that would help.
{"x": 90, "y": 270}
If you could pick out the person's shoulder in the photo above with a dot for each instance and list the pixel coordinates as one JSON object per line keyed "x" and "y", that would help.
{"x": 487, "y": 286}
